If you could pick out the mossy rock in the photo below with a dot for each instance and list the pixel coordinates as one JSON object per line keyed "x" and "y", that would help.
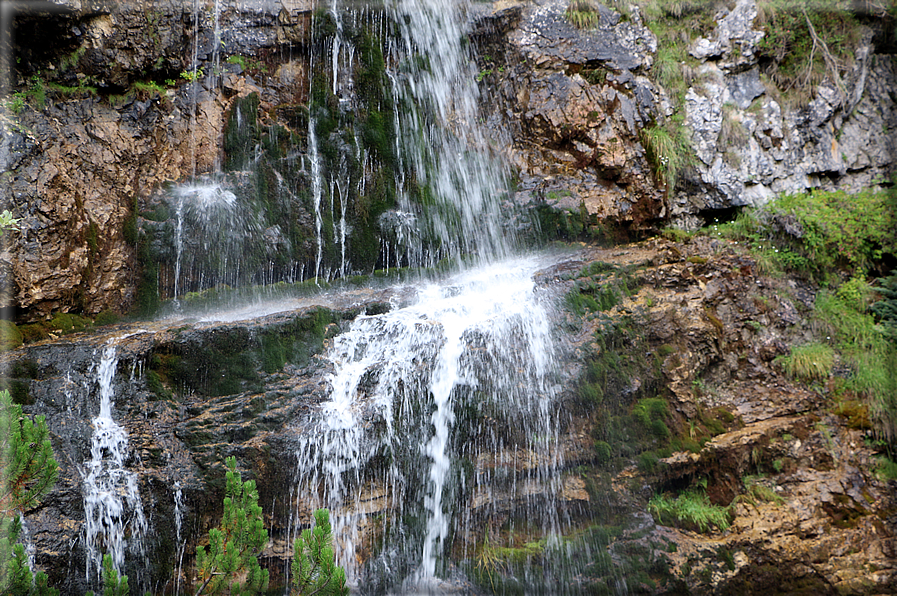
{"x": 10, "y": 336}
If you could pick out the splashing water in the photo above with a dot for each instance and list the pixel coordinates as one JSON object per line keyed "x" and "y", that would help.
{"x": 407, "y": 386}
{"x": 113, "y": 512}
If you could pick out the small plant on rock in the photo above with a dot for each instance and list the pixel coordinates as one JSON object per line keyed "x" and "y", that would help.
{"x": 810, "y": 362}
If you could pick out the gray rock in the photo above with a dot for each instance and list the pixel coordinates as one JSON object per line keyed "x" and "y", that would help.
{"x": 745, "y": 87}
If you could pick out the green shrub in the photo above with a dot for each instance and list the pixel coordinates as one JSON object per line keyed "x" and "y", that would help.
{"x": 836, "y": 229}
{"x": 819, "y": 233}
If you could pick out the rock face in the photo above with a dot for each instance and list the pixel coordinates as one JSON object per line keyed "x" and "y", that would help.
{"x": 750, "y": 147}
{"x": 574, "y": 102}
{"x": 79, "y": 179}
{"x": 695, "y": 322}
{"x": 188, "y": 396}
{"x": 698, "y": 325}
{"x": 821, "y": 521}
{"x": 568, "y": 108}
{"x": 78, "y": 170}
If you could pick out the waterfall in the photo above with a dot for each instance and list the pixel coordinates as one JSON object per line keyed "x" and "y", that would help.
{"x": 180, "y": 543}
{"x": 113, "y": 512}
{"x": 415, "y": 394}
{"x": 441, "y": 135}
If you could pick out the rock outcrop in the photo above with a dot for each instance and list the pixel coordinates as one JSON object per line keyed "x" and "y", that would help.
{"x": 574, "y": 102}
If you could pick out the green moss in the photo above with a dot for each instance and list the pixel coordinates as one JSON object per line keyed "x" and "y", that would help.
{"x": 67, "y": 92}
{"x": 155, "y": 385}
{"x": 69, "y": 323}
{"x": 241, "y": 132}
{"x": 10, "y": 335}
{"x": 106, "y": 317}
{"x": 21, "y": 392}
{"x": 229, "y": 361}
{"x": 148, "y": 299}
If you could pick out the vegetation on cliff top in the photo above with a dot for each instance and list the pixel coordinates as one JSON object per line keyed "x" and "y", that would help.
{"x": 842, "y": 242}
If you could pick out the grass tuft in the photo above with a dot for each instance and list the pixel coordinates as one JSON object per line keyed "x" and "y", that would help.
{"x": 691, "y": 509}
{"x": 669, "y": 151}
{"x": 810, "y": 362}
{"x": 583, "y": 14}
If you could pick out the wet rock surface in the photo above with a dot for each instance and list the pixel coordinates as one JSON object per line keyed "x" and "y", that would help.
{"x": 711, "y": 327}
{"x": 830, "y": 527}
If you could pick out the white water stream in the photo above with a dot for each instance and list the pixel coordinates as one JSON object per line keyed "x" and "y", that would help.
{"x": 479, "y": 341}
{"x": 113, "y": 512}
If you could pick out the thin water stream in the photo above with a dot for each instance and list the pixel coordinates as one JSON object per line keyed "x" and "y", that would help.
{"x": 115, "y": 523}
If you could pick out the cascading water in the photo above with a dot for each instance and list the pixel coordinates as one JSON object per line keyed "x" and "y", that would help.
{"x": 25, "y": 539}
{"x": 422, "y": 397}
{"x": 440, "y": 133}
{"x": 113, "y": 511}
{"x": 180, "y": 544}
{"x": 473, "y": 349}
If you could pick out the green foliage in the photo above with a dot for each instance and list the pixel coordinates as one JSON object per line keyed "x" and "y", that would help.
{"x": 805, "y": 42}
{"x": 669, "y": 151}
{"x": 691, "y": 509}
{"x": 872, "y": 358}
{"x": 810, "y": 362}
{"x": 16, "y": 102}
{"x": 8, "y": 222}
{"x": 29, "y": 471}
{"x": 755, "y": 492}
{"x": 151, "y": 88}
{"x": 19, "y": 580}
{"x": 71, "y": 61}
{"x": 885, "y": 468}
{"x": 819, "y": 232}
{"x": 583, "y": 14}
{"x": 247, "y": 63}
{"x": 37, "y": 92}
{"x": 191, "y": 76}
{"x": 314, "y": 563}
{"x": 73, "y": 91}
{"x": 113, "y": 584}
{"x": 833, "y": 229}
{"x": 230, "y": 563}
